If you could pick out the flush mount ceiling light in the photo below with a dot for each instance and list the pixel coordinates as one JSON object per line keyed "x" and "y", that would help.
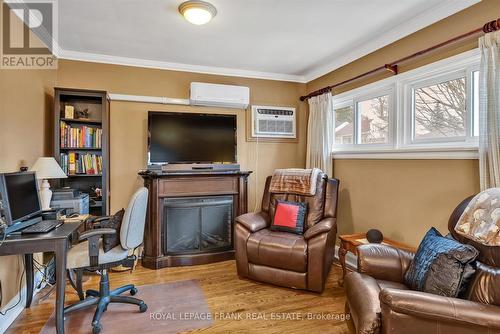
{"x": 197, "y": 12}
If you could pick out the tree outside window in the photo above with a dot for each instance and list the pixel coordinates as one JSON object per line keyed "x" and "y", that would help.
{"x": 374, "y": 124}
{"x": 440, "y": 110}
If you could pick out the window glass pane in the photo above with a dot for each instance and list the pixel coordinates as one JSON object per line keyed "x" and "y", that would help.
{"x": 475, "y": 104}
{"x": 344, "y": 127}
{"x": 440, "y": 110}
{"x": 373, "y": 125}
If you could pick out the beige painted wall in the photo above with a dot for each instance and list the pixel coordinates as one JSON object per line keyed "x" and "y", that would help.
{"x": 129, "y": 126}
{"x": 423, "y": 192}
{"x": 25, "y": 98}
{"x": 404, "y": 198}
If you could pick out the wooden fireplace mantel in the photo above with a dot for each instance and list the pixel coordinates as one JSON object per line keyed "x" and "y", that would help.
{"x": 188, "y": 184}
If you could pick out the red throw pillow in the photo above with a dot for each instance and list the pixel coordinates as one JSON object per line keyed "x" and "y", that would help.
{"x": 289, "y": 217}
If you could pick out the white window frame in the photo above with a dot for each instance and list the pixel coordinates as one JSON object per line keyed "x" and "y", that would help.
{"x": 472, "y": 102}
{"x": 409, "y": 128}
{"x": 400, "y": 88}
{"x": 353, "y": 101}
{"x": 339, "y": 105}
{"x": 388, "y": 90}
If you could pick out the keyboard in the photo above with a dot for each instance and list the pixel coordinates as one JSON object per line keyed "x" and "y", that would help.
{"x": 43, "y": 227}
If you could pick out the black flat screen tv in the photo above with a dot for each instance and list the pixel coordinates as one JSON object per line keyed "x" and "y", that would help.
{"x": 191, "y": 138}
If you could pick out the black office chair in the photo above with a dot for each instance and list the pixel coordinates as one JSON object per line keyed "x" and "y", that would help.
{"x": 89, "y": 255}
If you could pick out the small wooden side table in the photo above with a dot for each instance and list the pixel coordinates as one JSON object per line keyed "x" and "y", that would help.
{"x": 350, "y": 243}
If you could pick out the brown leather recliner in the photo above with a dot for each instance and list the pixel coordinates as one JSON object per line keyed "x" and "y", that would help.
{"x": 287, "y": 259}
{"x": 380, "y": 302}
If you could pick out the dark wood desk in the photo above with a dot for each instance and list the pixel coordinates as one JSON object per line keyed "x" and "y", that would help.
{"x": 57, "y": 241}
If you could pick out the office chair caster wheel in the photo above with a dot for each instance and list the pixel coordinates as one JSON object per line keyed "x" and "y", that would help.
{"x": 143, "y": 307}
{"x": 96, "y": 329}
{"x": 133, "y": 291}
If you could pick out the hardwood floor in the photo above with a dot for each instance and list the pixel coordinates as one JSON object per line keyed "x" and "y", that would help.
{"x": 259, "y": 305}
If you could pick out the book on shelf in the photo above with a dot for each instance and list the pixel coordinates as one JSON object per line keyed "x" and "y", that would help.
{"x": 73, "y": 163}
{"x": 69, "y": 111}
{"x": 80, "y": 137}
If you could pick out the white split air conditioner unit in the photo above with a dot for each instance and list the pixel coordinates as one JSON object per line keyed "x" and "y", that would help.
{"x": 213, "y": 95}
{"x": 274, "y": 122}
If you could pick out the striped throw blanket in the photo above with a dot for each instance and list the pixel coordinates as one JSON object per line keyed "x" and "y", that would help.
{"x": 295, "y": 180}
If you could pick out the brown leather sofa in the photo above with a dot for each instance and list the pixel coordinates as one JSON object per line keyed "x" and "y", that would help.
{"x": 286, "y": 259}
{"x": 379, "y": 302}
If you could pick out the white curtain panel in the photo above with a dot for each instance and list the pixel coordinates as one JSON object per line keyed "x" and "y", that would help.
{"x": 489, "y": 111}
{"x": 320, "y": 133}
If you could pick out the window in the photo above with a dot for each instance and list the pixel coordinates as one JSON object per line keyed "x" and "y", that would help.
{"x": 431, "y": 109}
{"x": 475, "y": 103}
{"x": 439, "y": 110}
{"x": 363, "y": 121}
{"x": 373, "y": 123}
{"x": 344, "y": 125}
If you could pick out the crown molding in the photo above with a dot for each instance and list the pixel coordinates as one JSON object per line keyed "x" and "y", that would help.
{"x": 136, "y": 62}
{"x": 419, "y": 21}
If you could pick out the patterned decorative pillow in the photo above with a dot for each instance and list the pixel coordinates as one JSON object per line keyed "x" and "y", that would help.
{"x": 480, "y": 220}
{"x": 289, "y": 217}
{"x": 441, "y": 266}
{"x": 110, "y": 241}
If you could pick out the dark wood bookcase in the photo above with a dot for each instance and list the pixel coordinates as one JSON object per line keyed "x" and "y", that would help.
{"x": 95, "y": 104}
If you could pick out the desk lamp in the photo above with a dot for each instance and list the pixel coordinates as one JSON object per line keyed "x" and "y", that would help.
{"x": 47, "y": 168}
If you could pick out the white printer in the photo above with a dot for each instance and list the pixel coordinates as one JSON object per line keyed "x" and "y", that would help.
{"x": 71, "y": 200}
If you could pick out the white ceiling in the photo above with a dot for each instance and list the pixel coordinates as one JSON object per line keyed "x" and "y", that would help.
{"x": 295, "y": 40}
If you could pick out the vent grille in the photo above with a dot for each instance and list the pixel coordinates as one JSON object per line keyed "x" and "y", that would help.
{"x": 273, "y": 122}
{"x": 275, "y": 126}
{"x": 275, "y": 112}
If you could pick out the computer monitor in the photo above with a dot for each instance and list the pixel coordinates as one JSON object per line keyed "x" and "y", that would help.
{"x": 19, "y": 197}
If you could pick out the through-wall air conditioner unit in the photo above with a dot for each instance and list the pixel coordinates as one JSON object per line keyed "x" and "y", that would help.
{"x": 274, "y": 122}
{"x": 213, "y": 95}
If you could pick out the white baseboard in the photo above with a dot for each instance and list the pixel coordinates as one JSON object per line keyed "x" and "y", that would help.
{"x": 7, "y": 319}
